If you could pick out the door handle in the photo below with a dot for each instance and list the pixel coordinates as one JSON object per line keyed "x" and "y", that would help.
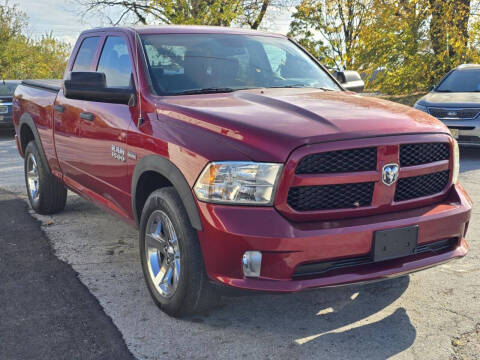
{"x": 87, "y": 116}
{"x": 59, "y": 108}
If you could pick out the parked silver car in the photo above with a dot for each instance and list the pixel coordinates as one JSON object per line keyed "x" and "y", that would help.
{"x": 456, "y": 102}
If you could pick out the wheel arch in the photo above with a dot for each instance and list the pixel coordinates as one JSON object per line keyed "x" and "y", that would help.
{"x": 28, "y": 132}
{"x": 170, "y": 175}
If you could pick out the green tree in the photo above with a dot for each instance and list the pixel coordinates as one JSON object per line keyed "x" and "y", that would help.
{"x": 449, "y": 34}
{"x": 200, "y": 12}
{"x": 411, "y": 44}
{"x": 22, "y": 57}
{"x": 330, "y": 29}
{"x": 393, "y": 49}
{"x": 204, "y": 12}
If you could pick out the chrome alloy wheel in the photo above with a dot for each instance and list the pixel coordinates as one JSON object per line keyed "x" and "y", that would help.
{"x": 33, "y": 180}
{"x": 162, "y": 253}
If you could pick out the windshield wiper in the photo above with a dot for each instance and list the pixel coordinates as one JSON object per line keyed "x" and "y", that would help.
{"x": 288, "y": 86}
{"x": 325, "y": 89}
{"x": 206, "y": 91}
{"x": 300, "y": 86}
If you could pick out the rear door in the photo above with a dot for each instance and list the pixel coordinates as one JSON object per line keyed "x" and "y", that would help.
{"x": 98, "y": 146}
{"x": 68, "y": 141}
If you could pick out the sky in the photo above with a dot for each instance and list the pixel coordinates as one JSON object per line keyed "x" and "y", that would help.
{"x": 64, "y": 20}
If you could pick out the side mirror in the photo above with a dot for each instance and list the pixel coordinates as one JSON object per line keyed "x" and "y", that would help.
{"x": 432, "y": 87}
{"x": 91, "y": 86}
{"x": 350, "y": 80}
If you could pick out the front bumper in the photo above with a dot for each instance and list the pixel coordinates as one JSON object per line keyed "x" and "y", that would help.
{"x": 6, "y": 121}
{"x": 229, "y": 231}
{"x": 468, "y": 130}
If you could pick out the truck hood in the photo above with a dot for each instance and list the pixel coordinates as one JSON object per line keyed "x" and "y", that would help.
{"x": 267, "y": 124}
{"x": 446, "y": 99}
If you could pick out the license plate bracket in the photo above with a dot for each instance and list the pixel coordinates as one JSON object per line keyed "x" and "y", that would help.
{"x": 394, "y": 243}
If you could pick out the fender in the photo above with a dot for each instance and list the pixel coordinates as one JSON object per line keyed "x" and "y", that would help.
{"x": 167, "y": 169}
{"x": 27, "y": 120}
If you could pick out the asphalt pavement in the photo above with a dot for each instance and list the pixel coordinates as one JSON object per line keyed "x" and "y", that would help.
{"x": 433, "y": 314}
{"x": 46, "y": 312}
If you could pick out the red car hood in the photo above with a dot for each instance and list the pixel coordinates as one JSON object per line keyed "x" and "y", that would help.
{"x": 267, "y": 124}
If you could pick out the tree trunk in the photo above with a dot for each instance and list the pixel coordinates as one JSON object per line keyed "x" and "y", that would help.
{"x": 261, "y": 14}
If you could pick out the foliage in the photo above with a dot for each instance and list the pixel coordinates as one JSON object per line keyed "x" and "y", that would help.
{"x": 22, "y": 57}
{"x": 201, "y": 12}
{"x": 330, "y": 29}
{"x": 207, "y": 12}
{"x": 408, "y": 100}
{"x": 393, "y": 49}
{"x": 399, "y": 46}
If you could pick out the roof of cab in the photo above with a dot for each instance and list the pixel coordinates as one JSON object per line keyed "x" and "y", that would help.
{"x": 184, "y": 29}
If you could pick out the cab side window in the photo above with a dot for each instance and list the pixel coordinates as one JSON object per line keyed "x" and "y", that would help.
{"x": 115, "y": 63}
{"x": 85, "y": 54}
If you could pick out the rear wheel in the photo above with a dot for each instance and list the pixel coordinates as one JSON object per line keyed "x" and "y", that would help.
{"x": 171, "y": 257}
{"x": 46, "y": 194}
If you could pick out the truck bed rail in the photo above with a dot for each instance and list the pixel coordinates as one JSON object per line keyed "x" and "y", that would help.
{"x": 49, "y": 85}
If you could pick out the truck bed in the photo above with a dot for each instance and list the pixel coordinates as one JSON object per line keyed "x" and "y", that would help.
{"x": 51, "y": 85}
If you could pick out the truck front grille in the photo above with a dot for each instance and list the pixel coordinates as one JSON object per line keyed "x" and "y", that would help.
{"x": 347, "y": 179}
{"x": 420, "y": 186}
{"x": 363, "y": 159}
{"x": 418, "y": 154}
{"x": 330, "y": 197}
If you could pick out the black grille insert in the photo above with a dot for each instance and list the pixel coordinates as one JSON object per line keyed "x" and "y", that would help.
{"x": 329, "y": 197}
{"x": 363, "y": 159}
{"x": 419, "y": 186}
{"x": 417, "y": 154}
{"x": 322, "y": 268}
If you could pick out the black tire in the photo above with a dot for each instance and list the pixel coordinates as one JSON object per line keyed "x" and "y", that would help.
{"x": 193, "y": 293}
{"x": 52, "y": 194}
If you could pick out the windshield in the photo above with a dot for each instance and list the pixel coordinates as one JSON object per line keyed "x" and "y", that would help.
{"x": 7, "y": 88}
{"x": 461, "y": 81}
{"x": 202, "y": 63}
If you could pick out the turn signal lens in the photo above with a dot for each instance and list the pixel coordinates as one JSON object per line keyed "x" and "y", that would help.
{"x": 238, "y": 183}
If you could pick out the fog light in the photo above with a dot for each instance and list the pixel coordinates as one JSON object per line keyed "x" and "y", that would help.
{"x": 252, "y": 263}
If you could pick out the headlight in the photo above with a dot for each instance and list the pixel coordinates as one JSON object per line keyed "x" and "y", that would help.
{"x": 456, "y": 162}
{"x": 420, "y": 107}
{"x": 238, "y": 183}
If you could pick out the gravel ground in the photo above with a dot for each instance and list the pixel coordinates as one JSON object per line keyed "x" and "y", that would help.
{"x": 434, "y": 314}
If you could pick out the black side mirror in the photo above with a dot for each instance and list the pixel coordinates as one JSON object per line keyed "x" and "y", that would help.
{"x": 91, "y": 86}
{"x": 350, "y": 80}
{"x": 432, "y": 87}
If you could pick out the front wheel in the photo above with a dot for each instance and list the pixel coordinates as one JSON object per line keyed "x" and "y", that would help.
{"x": 46, "y": 194}
{"x": 172, "y": 261}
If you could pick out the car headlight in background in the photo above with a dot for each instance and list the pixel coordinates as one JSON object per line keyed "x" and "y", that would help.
{"x": 456, "y": 162}
{"x": 238, "y": 183}
{"x": 420, "y": 107}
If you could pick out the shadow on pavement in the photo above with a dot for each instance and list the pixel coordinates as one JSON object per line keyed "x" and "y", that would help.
{"x": 46, "y": 312}
{"x": 327, "y": 321}
{"x": 469, "y": 159}
{"x": 6, "y": 135}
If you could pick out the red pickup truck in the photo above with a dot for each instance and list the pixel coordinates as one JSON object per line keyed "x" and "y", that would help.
{"x": 242, "y": 162}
